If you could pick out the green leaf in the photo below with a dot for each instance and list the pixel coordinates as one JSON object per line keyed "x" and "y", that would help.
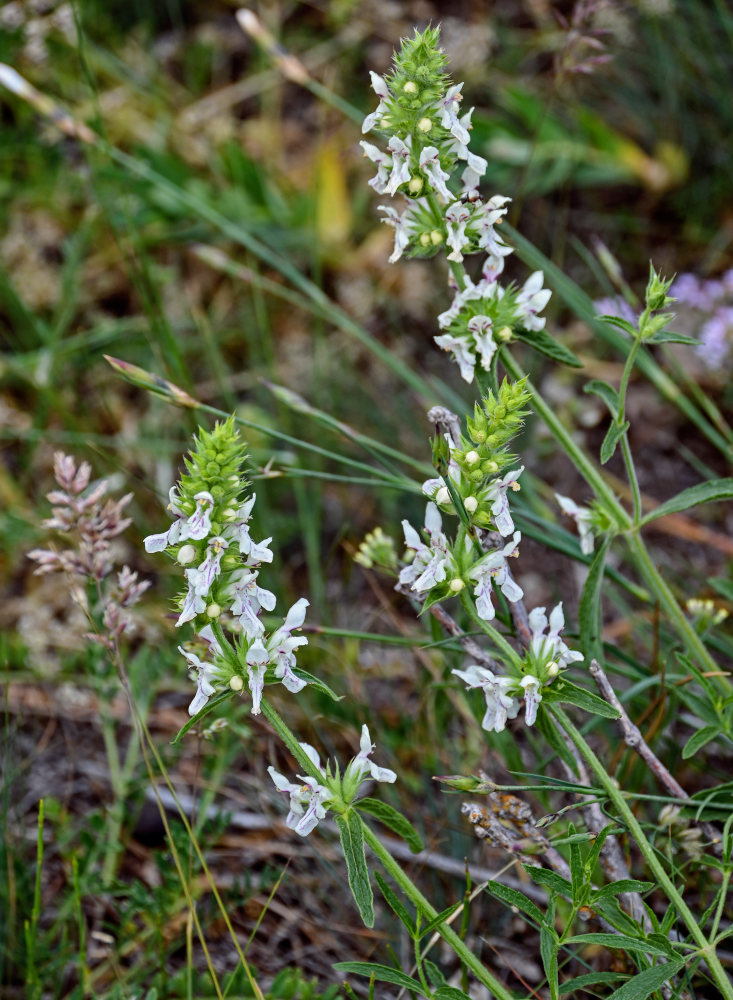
{"x": 613, "y": 435}
{"x": 450, "y": 993}
{"x": 382, "y": 973}
{"x": 621, "y": 941}
{"x": 605, "y": 392}
{"x": 440, "y": 918}
{"x": 577, "y": 871}
{"x": 394, "y": 820}
{"x": 589, "y": 612}
{"x": 436, "y": 977}
{"x": 698, "y": 740}
{"x": 317, "y": 684}
{"x": 513, "y": 897}
{"x": 395, "y": 904}
{"x": 595, "y": 852}
{"x": 548, "y": 951}
{"x": 622, "y": 324}
{"x": 623, "y": 885}
{"x": 722, "y": 586}
{"x": 210, "y": 705}
{"x": 670, "y": 337}
{"x": 646, "y": 982}
{"x": 542, "y": 342}
{"x": 714, "y": 489}
{"x": 352, "y": 842}
{"x": 553, "y": 881}
{"x": 589, "y": 979}
{"x": 565, "y": 692}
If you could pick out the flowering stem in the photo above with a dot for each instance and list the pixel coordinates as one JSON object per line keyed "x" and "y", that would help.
{"x": 498, "y": 990}
{"x": 289, "y": 740}
{"x": 706, "y": 948}
{"x": 621, "y": 419}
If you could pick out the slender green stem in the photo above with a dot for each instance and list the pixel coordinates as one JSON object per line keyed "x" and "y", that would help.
{"x": 665, "y": 882}
{"x": 499, "y": 991}
{"x": 632, "y": 477}
{"x": 621, "y": 419}
{"x": 576, "y": 454}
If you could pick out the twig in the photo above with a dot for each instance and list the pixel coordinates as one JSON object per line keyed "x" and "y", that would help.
{"x": 633, "y": 738}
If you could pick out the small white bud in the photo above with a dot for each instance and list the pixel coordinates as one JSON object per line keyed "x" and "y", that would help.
{"x": 553, "y": 669}
{"x": 472, "y": 457}
{"x": 186, "y": 554}
{"x": 213, "y": 610}
{"x": 229, "y": 514}
{"x": 424, "y": 124}
{"x": 442, "y": 496}
{"x": 424, "y": 239}
{"x": 234, "y": 478}
{"x": 410, "y": 87}
{"x": 470, "y": 503}
{"x": 505, "y": 333}
{"x": 493, "y": 467}
{"x": 456, "y": 585}
{"x": 415, "y": 185}
{"x": 236, "y": 683}
{"x": 436, "y": 237}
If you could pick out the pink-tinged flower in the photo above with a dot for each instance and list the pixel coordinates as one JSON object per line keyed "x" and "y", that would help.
{"x": 380, "y": 88}
{"x": 428, "y": 568}
{"x": 307, "y": 800}
{"x": 197, "y": 526}
{"x": 531, "y": 300}
{"x": 491, "y": 213}
{"x": 430, "y": 164}
{"x": 583, "y": 517}
{"x": 550, "y": 648}
{"x": 257, "y": 661}
{"x": 492, "y": 570}
{"x": 384, "y": 166}
{"x": 157, "y": 543}
{"x": 200, "y": 579}
{"x": 248, "y": 599}
{"x": 361, "y": 766}
{"x": 400, "y": 173}
{"x": 500, "y": 705}
{"x": 282, "y": 644}
{"x": 497, "y": 493}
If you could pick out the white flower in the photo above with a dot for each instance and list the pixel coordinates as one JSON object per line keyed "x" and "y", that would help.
{"x": 238, "y": 530}
{"x": 197, "y": 526}
{"x": 281, "y": 647}
{"x": 449, "y": 114}
{"x": 481, "y": 328}
{"x": 532, "y": 698}
{"x": 258, "y": 659}
{"x": 456, "y": 219}
{"x": 400, "y": 173}
{"x": 584, "y": 520}
{"x": 404, "y": 226}
{"x": 380, "y": 88}
{"x": 360, "y": 766}
{"x": 493, "y": 570}
{"x": 200, "y": 578}
{"x": 531, "y": 300}
{"x": 500, "y": 705}
{"x": 430, "y": 164}
{"x": 307, "y": 801}
{"x": 497, "y": 492}
{"x": 491, "y": 212}
{"x": 384, "y": 165}
{"x": 207, "y": 675}
{"x": 550, "y": 648}
{"x": 248, "y": 600}
{"x": 460, "y": 348}
{"x": 429, "y": 565}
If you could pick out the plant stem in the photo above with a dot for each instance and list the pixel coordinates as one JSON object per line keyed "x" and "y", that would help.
{"x": 576, "y": 454}
{"x": 621, "y": 419}
{"x": 498, "y": 990}
{"x": 706, "y": 948}
{"x": 496, "y": 637}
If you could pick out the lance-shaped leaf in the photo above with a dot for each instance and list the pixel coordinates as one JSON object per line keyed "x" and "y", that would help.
{"x": 352, "y": 842}
{"x": 715, "y": 489}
